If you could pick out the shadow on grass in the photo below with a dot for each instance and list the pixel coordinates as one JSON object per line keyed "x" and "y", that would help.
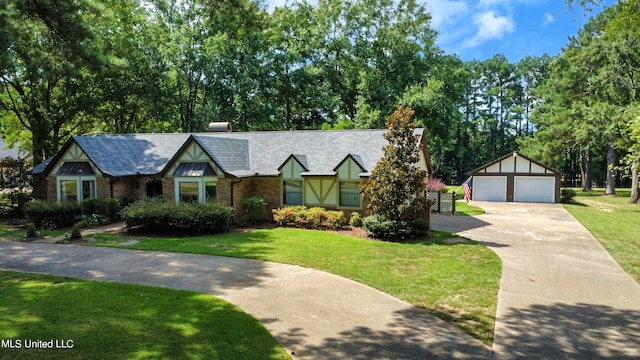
{"x": 119, "y": 321}
{"x": 568, "y": 331}
{"x": 249, "y": 245}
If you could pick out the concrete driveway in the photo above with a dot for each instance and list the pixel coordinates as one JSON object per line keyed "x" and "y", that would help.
{"x": 562, "y": 296}
{"x": 313, "y": 314}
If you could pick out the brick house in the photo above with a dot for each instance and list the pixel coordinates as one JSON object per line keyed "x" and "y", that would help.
{"x": 312, "y": 168}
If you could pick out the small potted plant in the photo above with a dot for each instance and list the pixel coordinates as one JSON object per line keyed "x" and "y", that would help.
{"x": 75, "y": 232}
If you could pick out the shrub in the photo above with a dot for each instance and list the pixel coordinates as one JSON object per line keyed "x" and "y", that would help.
{"x": 94, "y": 220}
{"x": 90, "y": 206}
{"x": 31, "y": 230}
{"x": 355, "y": 220}
{"x": 251, "y": 209}
{"x": 127, "y": 200}
{"x": 567, "y": 195}
{"x": 154, "y": 213}
{"x": 436, "y": 185}
{"x": 310, "y": 218}
{"x": 48, "y": 214}
{"x": 376, "y": 227}
{"x": 75, "y": 231}
{"x": 111, "y": 208}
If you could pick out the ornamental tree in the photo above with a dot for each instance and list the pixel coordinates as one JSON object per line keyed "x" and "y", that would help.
{"x": 396, "y": 184}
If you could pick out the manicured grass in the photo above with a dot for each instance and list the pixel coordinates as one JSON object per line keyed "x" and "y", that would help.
{"x": 614, "y": 222}
{"x": 458, "y": 283}
{"x": 10, "y": 233}
{"x": 465, "y": 209}
{"x": 121, "y": 321}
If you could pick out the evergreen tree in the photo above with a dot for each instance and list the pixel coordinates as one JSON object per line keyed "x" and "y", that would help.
{"x": 396, "y": 184}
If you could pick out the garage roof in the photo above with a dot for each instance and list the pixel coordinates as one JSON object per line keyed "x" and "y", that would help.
{"x": 497, "y": 164}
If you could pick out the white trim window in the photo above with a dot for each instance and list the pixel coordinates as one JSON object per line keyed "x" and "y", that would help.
{"x": 292, "y": 192}
{"x": 196, "y": 189}
{"x": 350, "y": 194}
{"x": 76, "y": 188}
{"x": 195, "y": 182}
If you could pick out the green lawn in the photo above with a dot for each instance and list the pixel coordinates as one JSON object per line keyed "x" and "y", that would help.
{"x": 119, "y": 321}
{"x": 464, "y": 209}
{"x": 614, "y": 222}
{"x": 458, "y": 283}
{"x": 13, "y": 234}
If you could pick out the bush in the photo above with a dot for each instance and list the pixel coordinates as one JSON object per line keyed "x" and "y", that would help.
{"x": 94, "y": 220}
{"x": 48, "y": 214}
{"x": 75, "y": 231}
{"x": 154, "y": 213}
{"x": 127, "y": 200}
{"x": 310, "y": 218}
{"x": 355, "y": 220}
{"x": 436, "y": 185}
{"x": 111, "y": 208}
{"x": 567, "y": 195}
{"x": 31, "y": 230}
{"x": 90, "y": 206}
{"x": 251, "y": 209}
{"x": 377, "y": 227}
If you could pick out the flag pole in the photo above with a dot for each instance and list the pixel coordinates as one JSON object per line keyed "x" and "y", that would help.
{"x": 463, "y": 183}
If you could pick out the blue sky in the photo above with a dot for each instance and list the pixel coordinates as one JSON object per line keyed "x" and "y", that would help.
{"x": 479, "y": 29}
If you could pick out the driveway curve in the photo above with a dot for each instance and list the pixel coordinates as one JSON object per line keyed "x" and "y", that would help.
{"x": 562, "y": 296}
{"x": 313, "y": 314}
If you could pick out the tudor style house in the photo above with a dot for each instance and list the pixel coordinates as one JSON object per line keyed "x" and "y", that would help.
{"x": 312, "y": 168}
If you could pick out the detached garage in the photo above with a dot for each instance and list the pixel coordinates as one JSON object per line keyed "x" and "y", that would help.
{"x": 515, "y": 177}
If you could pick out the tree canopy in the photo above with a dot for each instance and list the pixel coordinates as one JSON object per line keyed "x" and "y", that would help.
{"x": 80, "y": 66}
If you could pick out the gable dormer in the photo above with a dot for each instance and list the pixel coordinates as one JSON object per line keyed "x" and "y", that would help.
{"x": 293, "y": 166}
{"x": 350, "y": 168}
{"x": 193, "y": 160}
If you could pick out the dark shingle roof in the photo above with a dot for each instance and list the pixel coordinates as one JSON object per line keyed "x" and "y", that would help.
{"x": 122, "y": 155}
{"x": 239, "y": 154}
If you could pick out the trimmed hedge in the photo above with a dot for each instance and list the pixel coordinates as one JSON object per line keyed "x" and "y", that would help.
{"x": 567, "y": 195}
{"x": 310, "y": 218}
{"x": 49, "y": 214}
{"x": 158, "y": 214}
{"x": 379, "y": 228}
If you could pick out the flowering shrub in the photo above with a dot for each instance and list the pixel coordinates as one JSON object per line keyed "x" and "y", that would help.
{"x": 436, "y": 185}
{"x": 310, "y": 218}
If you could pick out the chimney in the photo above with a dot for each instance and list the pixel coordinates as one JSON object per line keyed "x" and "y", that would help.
{"x": 224, "y": 126}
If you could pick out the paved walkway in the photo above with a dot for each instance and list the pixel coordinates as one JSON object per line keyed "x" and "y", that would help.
{"x": 561, "y": 295}
{"x": 313, "y": 314}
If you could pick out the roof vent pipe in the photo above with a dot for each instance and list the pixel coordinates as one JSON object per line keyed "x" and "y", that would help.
{"x": 220, "y": 126}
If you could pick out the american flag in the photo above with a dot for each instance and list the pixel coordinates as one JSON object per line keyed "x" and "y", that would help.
{"x": 467, "y": 189}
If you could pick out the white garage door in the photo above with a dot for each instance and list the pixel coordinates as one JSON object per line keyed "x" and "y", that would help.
{"x": 534, "y": 189}
{"x": 489, "y": 188}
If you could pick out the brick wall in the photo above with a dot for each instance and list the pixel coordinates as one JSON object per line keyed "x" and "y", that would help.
{"x": 168, "y": 190}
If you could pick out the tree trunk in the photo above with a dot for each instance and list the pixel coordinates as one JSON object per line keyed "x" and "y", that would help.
{"x": 585, "y": 168}
{"x": 635, "y": 196}
{"x": 611, "y": 163}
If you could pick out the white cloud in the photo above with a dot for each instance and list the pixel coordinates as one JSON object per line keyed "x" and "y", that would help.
{"x": 548, "y": 19}
{"x": 484, "y": 4}
{"x": 444, "y": 12}
{"x": 490, "y": 26}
